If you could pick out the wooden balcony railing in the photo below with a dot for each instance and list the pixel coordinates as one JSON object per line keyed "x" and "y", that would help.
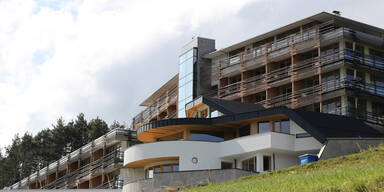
{"x": 274, "y": 49}
{"x": 230, "y": 89}
{"x": 156, "y": 108}
{"x": 303, "y": 69}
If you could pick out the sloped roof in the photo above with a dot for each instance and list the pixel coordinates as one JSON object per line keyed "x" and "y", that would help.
{"x": 319, "y": 125}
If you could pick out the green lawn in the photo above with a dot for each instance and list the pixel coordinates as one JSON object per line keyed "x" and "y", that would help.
{"x": 358, "y": 172}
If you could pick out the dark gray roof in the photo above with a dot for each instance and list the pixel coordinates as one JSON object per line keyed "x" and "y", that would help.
{"x": 231, "y": 107}
{"x": 335, "y": 126}
{"x": 319, "y": 125}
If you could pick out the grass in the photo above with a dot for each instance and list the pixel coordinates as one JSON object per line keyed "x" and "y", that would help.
{"x": 361, "y": 172}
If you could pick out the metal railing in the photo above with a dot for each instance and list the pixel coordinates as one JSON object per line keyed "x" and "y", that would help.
{"x": 270, "y": 48}
{"x": 113, "y": 184}
{"x": 231, "y": 64}
{"x": 325, "y": 87}
{"x": 308, "y": 66}
{"x": 156, "y": 107}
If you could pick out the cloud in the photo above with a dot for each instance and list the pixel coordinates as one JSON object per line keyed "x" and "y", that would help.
{"x": 59, "y": 59}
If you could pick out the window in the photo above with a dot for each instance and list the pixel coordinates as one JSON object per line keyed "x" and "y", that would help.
{"x": 377, "y": 108}
{"x": 214, "y": 113}
{"x": 330, "y": 81}
{"x": 351, "y": 102}
{"x": 264, "y": 127}
{"x": 258, "y": 97}
{"x": 350, "y": 74}
{"x": 212, "y": 136}
{"x": 282, "y": 126}
{"x": 249, "y": 164}
{"x": 302, "y": 135}
{"x": 267, "y": 163}
{"x": 186, "y": 84}
{"x": 226, "y": 165}
{"x": 234, "y": 79}
{"x": 332, "y": 106}
{"x": 378, "y": 85}
{"x": 244, "y": 131}
{"x": 161, "y": 169}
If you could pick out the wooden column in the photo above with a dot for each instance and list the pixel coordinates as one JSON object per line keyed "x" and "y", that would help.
{"x": 186, "y": 133}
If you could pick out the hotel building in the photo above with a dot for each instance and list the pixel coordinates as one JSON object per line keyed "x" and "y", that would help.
{"x": 313, "y": 86}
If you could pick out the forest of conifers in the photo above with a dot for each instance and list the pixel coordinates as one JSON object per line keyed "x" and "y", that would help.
{"x": 28, "y": 153}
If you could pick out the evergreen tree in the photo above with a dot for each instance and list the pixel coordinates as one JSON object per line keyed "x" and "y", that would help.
{"x": 45, "y": 144}
{"x": 116, "y": 125}
{"x": 28, "y": 154}
{"x": 62, "y": 137}
{"x": 82, "y": 127}
{"x": 97, "y": 128}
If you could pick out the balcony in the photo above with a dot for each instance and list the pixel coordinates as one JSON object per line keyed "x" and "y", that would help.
{"x": 159, "y": 106}
{"x": 298, "y": 42}
{"x": 254, "y": 84}
{"x": 230, "y": 90}
{"x": 301, "y": 42}
{"x": 277, "y": 75}
{"x": 307, "y": 96}
{"x": 364, "y": 115}
{"x": 280, "y": 100}
{"x": 112, "y": 184}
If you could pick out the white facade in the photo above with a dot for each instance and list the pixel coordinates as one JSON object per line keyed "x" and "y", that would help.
{"x": 283, "y": 149}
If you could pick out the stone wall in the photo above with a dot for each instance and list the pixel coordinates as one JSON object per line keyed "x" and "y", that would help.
{"x": 163, "y": 182}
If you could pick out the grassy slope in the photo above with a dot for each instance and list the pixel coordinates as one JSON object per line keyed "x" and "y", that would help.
{"x": 358, "y": 172}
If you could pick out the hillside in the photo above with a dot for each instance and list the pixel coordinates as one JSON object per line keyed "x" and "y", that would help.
{"x": 358, "y": 172}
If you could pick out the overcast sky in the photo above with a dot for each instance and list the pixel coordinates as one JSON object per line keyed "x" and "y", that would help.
{"x": 102, "y": 58}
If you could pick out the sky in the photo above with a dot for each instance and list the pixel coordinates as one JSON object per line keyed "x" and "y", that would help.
{"x": 104, "y": 57}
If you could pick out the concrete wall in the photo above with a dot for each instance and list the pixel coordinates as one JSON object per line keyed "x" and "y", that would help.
{"x": 182, "y": 180}
{"x": 283, "y": 161}
{"x": 204, "y": 66}
{"x": 207, "y": 153}
{"x": 340, "y": 147}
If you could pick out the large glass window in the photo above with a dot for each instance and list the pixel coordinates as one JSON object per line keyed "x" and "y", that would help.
{"x": 249, "y": 164}
{"x": 264, "y": 127}
{"x": 332, "y": 106}
{"x": 282, "y": 126}
{"x": 213, "y": 136}
{"x": 186, "y": 70}
{"x": 330, "y": 81}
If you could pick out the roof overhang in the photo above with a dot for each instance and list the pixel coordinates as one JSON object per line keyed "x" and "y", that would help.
{"x": 321, "y": 17}
{"x": 319, "y": 125}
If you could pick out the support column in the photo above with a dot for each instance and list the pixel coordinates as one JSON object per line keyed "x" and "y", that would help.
{"x": 186, "y": 134}
{"x": 254, "y": 128}
{"x": 259, "y": 162}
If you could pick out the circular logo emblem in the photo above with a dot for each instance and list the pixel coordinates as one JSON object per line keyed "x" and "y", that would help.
{"x": 194, "y": 160}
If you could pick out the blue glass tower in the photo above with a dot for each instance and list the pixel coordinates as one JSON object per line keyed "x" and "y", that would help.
{"x": 191, "y": 66}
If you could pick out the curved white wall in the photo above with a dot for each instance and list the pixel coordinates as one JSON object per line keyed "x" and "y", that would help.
{"x": 207, "y": 153}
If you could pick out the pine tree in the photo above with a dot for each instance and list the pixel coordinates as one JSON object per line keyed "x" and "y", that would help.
{"x": 97, "y": 128}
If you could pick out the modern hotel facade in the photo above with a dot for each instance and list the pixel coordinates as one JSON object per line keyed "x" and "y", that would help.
{"x": 257, "y": 105}
{"x": 315, "y": 86}
{"x": 324, "y": 63}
